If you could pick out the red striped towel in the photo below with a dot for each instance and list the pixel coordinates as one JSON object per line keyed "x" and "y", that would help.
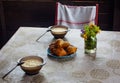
{"x": 75, "y": 16}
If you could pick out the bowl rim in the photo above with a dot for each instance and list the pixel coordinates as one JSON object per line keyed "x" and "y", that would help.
{"x": 57, "y": 26}
{"x": 54, "y": 26}
{"x": 43, "y": 60}
{"x": 60, "y": 35}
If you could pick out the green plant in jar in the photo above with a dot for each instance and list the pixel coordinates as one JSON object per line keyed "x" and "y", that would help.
{"x": 89, "y": 34}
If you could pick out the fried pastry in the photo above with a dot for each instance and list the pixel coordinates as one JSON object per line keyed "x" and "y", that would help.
{"x": 60, "y": 52}
{"x": 58, "y": 43}
{"x": 62, "y": 48}
{"x": 65, "y": 44}
{"x": 52, "y": 48}
{"x": 71, "y": 49}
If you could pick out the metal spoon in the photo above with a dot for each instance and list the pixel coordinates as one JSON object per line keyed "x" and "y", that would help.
{"x": 18, "y": 64}
{"x": 49, "y": 29}
{"x": 43, "y": 34}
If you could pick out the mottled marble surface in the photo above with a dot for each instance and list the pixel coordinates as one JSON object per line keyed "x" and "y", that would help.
{"x": 105, "y": 68}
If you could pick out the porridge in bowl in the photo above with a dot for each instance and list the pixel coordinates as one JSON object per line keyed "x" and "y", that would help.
{"x": 59, "y": 31}
{"x": 32, "y": 64}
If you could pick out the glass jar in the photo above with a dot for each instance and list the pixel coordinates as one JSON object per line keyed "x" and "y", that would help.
{"x": 90, "y": 45}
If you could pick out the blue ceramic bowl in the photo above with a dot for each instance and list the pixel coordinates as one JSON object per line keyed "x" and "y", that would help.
{"x": 60, "y": 57}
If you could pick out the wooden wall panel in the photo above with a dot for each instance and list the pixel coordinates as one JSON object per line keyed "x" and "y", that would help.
{"x": 116, "y": 15}
{"x": 29, "y": 14}
{"x": 0, "y": 35}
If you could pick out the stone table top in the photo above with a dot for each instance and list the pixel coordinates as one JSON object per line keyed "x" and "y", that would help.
{"x": 105, "y": 68}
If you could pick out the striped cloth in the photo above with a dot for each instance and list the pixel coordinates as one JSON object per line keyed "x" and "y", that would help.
{"x": 75, "y": 16}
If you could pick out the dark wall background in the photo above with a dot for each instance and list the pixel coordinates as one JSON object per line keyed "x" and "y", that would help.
{"x": 41, "y": 13}
{"x": 0, "y": 32}
{"x": 116, "y": 16}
